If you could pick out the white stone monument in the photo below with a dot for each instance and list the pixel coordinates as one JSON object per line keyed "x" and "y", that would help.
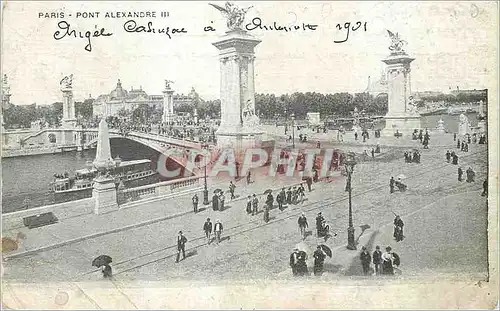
{"x": 5, "y": 96}
{"x": 440, "y": 126}
{"x": 402, "y": 115}
{"x": 69, "y": 116}
{"x": 463, "y": 125}
{"x": 168, "y": 103}
{"x": 104, "y": 192}
{"x": 355, "y": 123}
{"x": 239, "y": 128}
{"x": 481, "y": 124}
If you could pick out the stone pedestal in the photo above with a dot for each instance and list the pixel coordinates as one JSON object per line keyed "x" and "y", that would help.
{"x": 239, "y": 128}
{"x": 482, "y": 126}
{"x": 401, "y": 116}
{"x": 104, "y": 194}
{"x": 440, "y": 126}
{"x": 68, "y": 119}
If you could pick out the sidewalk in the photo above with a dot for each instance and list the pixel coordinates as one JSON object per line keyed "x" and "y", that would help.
{"x": 80, "y": 228}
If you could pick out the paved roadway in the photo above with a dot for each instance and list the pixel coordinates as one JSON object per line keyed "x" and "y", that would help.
{"x": 445, "y": 221}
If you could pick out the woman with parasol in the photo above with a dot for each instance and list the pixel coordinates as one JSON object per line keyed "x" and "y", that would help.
{"x": 398, "y": 229}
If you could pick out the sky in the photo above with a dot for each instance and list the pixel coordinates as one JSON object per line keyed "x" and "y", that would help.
{"x": 453, "y": 43}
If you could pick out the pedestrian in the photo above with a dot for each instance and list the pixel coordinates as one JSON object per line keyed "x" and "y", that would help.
{"x": 365, "y": 260}
{"x": 218, "y": 231}
{"x": 448, "y": 156}
{"x": 249, "y": 205}
{"x": 181, "y": 246}
{"x": 289, "y": 196}
{"x": 232, "y": 187}
{"x": 215, "y": 202}
{"x": 222, "y": 199}
{"x": 266, "y": 214}
{"x": 454, "y": 136}
{"x": 255, "y": 205}
{"x": 356, "y": 136}
{"x": 303, "y": 225}
{"x": 458, "y": 143}
{"x": 207, "y": 228}
{"x": 470, "y": 174}
{"x": 377, "y": 260}
{"x": 294, "y": 259}
{"x": 398, "y": 229}
{"x": 373, "y": 153}
{"x": 269, "y": 200}
{"x": 280, "y": 198}
{"x": 485, "y": 188}
{"x": 248, "y": 177}
{"x": 319, "y": 224}
{"x": 107, "y": 271}
{"x": 455, "y": 159}
{"x": 390, "y": 259}
{"x": 468, "y": 139}
{"x": 462, "y": 146}
{"x": 302, "y": 193}
{"x": 195, "y": 203}
{"x": 318, "y": 144}
{"x": 319, "y": 259}
{"x": 460, "y": 174}
{"x": 301, "y": 263}
{"x": 309, "y": 183}
{"x": 391, "y": 184}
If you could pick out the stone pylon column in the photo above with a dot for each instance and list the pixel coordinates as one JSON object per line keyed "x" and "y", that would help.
{"x": 402, "y": 115}
{"x": 5, "y": 96}
{"x": 239, "y": 126}
{"x": 168, "y": 103}
{"x": 69, "y": 118}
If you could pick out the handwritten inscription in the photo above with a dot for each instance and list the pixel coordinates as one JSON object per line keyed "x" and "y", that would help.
{"x": 347, "y": 26}
{"x": 257, "y": 24}
{"x": 66, "y": 31}
{"x": 132, "y": 26}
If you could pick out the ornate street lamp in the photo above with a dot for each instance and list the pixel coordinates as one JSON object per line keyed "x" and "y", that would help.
{"x": 205, "y": 189}
{"x": 293, "y": 130}
{"x": 349, "y": 163}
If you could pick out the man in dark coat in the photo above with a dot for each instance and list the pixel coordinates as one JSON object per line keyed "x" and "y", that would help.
{"x": 289, "y": 196}
{"x": 366, "y": 259}
{"x": 255, "y": 205}
{"x": 448, "y": 156}
{"x": 391, "y": 184}
{"x": 319, "y": 259}
{"x": 270, "y": 200}
{"x": 458, "y": 144}
{"x": 301, "y": 264}
{"x": 294, "y": 259}
{"x": 377, "y": 260}
{"x": 454, "y": 136}
{"x": 181, "y": 246}
{"x": 232, "y": 187}
{"x": 249, "y": 205}
{"x": 248, "y": 177}
{"x": 281, "y": 199}
{"x": 215, "y": 202}
{"x": 309, "y": 183}
{"x": 207, "y": 228}
{"x": 460, "y": 174}
{"x": 303, "y": 225}
{"x": 470, "y": 174}
{"x": 398, "y": 229}
{"x": 455, "y": 159}
{"x": 485, "y": 187}
{"x": 195, "y": 203}
{"x": 319, "y": 224}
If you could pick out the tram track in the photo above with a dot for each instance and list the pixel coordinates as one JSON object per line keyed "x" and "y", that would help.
{"x": 249, "y": 226}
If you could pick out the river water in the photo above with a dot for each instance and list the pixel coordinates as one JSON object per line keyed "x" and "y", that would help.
{"x": 25, "y": 180}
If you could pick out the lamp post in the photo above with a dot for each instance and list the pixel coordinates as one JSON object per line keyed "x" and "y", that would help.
{"x": 293, "y": 130}
{"x": 350, "y": 162}
{"x": 205, "y": 190}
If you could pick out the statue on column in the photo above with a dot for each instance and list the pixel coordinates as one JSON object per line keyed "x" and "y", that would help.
{"x": 234, "y": 15}
{"x": 167, "y": 84}
{"x": 67, "y": 82}
{"x": 412, "y": 106}
{"x": 464, "y": 125}
{"x": 250, "y": 119}
{"x": 397, "y": 43}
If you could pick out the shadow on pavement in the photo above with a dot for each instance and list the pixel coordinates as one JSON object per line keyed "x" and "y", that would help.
{"x": 363, "y": 229}
{"x": 355, "y": 267}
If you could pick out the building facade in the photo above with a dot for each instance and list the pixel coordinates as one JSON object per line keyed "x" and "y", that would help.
{"x": 119, "y": 98}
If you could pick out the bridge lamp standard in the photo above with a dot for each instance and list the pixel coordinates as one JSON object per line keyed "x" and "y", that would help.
{"x": 205, "y": 189}
{"x": 293, "y": 130}
{"x": 349, "y": 163}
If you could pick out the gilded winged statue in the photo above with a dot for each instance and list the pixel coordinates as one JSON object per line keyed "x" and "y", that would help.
{"x": 67, "y": 82}
{"x": 167, "y": 83}
{"x": 234, "y": 15}
{"x": 397, "y": 43}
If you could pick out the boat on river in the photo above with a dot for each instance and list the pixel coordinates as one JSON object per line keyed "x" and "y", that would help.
{"x": 130, "y": 173}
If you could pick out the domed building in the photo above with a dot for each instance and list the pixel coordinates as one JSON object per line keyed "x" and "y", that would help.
{"x": 119, "y": 98}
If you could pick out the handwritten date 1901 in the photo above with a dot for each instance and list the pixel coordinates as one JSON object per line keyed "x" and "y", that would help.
{"x": 347, "y": 26}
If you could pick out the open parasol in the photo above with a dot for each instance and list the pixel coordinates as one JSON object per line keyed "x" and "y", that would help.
{"x": 302, "y": 246}
{"x": 217, "y": 190}
{"x": 268, "y": 191}
{"x": 101, "y": 260}
{"x": 401, "y": 176}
